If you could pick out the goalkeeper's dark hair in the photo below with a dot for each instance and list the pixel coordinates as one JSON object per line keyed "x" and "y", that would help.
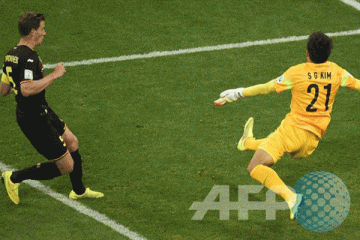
{"x": 29, "y": 21}
{"x": 319, "y": 47}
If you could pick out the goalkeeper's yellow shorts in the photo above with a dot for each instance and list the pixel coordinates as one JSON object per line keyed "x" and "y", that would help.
{"x": 288, "y": 139}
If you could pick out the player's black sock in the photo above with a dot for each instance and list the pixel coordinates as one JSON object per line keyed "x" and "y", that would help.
{"x": 76, "y": 174}
{"x": 41, "y": 171}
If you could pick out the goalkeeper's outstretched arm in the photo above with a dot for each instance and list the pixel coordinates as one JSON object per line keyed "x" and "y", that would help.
{"x": 232, "y": 95}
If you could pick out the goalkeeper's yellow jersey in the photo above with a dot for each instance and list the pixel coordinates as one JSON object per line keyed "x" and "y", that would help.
{"x": 314, "y": 87}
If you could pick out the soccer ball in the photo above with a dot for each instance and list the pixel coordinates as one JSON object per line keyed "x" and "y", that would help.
{"x": 326, "y": 201}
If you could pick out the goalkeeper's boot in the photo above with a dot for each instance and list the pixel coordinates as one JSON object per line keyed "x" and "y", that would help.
{"x": 248, "y": 133}
{"x": 88, "y": 194}
{"x": 11, "y": 188}
{"x": 294, "y": 209}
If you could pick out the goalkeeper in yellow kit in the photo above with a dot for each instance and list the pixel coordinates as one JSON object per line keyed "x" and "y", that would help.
{"x": 313, "y": 85}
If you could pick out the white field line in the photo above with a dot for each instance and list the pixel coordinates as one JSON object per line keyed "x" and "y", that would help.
{"x": 199, "y": 49}
{"x": 352, "y": 3}
{"x": 102, "y": 218}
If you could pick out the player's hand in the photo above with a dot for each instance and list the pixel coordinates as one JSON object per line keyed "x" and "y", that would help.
{"x": 229, "y": 96}
{"x": 59, "y": 70}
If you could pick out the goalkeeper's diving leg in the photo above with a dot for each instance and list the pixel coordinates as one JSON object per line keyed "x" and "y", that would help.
{"x": 259, "y": 169}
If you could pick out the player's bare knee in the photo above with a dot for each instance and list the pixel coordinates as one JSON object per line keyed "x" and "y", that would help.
{"x": 71, "y": 141}
{"x": 65, "y": 169}
{"x": 249, "y": 169}
{"x": 65, "y": 165}
{"x": 70, "y": 165}
{"x": 69, "y": 168}
{"x": 73, "y": 144}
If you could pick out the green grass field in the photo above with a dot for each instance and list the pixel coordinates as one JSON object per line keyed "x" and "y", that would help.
{"x": 151, "y": 138}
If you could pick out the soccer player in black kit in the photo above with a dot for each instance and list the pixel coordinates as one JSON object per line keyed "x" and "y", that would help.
{"x": 23, "y": 75}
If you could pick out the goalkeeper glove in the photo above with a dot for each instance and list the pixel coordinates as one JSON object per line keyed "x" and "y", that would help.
{"x": 229, "y": 96}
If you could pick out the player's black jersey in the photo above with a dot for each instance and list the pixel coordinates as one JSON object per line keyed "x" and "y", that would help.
{"x": 23, "y": 64}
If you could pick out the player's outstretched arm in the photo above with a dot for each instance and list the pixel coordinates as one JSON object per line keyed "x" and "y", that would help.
{"x": 232, "y": 95}
{"x": 228, "y": 96}
{"x": 353, "y": 83}
{"x": 5, "y": 89}
{"x": 30, "y": 87}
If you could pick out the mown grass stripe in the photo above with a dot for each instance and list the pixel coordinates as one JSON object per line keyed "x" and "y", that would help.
{"x": 99, "y": 217}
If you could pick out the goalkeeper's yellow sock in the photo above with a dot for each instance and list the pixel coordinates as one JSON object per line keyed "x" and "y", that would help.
{"x": 252, "y": 143}
{"x": 271, "y": 180}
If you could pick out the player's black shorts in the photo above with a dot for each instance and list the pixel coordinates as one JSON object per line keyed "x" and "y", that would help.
{"x": 44, "y": 130}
